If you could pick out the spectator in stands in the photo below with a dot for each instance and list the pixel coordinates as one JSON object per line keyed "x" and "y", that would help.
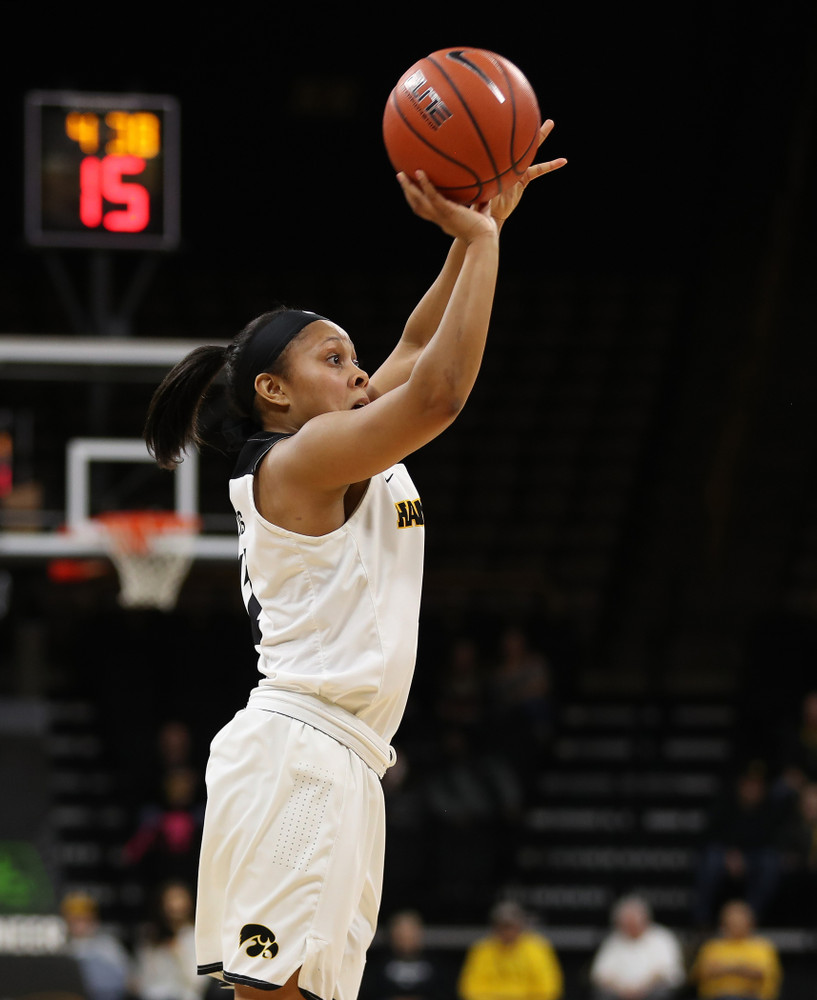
{"x": 407, "y": 863}
{"x": 741, "y": 849}
{"x": 405, "y": 970}
{"x": 104, "y": 963}
{"x": 474, "y": 801}
{"x": 639, "y": 959}
{"x": 798, "y": 847}
{"x": 520, "y": 699}
{"x": 166, "y": 841}
{"x": 461, "y": 695}
{"x": 738, "y": 963}
{"x": 472, "y": 785}
{"x": 166, "y": 953}
{"x": 511, "y": 963}
{"x": 172, "y": 749}
{"x": 798, "y": 754}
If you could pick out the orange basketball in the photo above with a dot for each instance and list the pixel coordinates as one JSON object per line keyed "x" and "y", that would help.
{"x": 467, "y": 117}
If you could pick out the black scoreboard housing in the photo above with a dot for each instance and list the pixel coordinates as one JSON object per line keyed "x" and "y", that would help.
{"x": 56, "y": 166}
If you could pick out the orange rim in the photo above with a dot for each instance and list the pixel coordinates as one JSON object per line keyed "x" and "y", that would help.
{"x": 134, "y": 528}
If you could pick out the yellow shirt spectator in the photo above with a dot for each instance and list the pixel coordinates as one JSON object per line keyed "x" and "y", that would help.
{"x": 737, "y": 964}
{"x": 511, "y": 964}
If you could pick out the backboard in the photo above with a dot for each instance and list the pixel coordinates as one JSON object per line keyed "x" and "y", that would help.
{"x": 50, "y": 378}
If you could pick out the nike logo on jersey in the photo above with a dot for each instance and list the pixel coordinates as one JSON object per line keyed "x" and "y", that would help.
{"x": 389, "y": 476}
{"x": 409, "y": 513}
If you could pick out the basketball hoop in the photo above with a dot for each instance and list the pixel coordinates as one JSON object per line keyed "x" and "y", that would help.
{"x": 152, "y": 552}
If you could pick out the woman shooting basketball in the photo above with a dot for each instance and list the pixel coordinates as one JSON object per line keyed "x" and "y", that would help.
{"x": 331, "y": 547}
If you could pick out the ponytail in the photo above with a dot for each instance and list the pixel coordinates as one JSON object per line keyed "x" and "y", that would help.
{"x": 172, "y": 419}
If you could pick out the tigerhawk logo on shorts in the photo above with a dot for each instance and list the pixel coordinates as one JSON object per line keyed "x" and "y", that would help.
{"x": 259, "y": 941}
{"x": 409, "y": 513}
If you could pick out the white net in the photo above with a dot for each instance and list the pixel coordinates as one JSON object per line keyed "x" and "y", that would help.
{"x": 152, "y": 552}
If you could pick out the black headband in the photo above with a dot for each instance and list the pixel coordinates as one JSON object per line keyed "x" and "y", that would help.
{"x": 264, "y": 348}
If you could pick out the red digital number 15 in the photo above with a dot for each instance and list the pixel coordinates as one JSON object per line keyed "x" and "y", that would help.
{"x": 101, "y": 181}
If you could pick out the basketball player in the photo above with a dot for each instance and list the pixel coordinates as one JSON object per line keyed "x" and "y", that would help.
{"x": 330, "y": 532}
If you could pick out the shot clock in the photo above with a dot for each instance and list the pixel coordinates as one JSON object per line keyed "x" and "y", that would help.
{"x": 101, "y": 171}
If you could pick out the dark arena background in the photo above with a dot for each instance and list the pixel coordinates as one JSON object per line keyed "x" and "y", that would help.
{"x": 619, "y": 620}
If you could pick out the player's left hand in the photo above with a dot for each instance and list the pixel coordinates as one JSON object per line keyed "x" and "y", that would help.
{"x": 503, "y": 204}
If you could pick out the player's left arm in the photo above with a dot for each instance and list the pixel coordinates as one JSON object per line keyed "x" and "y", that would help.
{"x": 427, "y": 314}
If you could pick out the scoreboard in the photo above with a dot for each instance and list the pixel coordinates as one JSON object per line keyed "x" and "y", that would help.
{"x": 101, "y": 171}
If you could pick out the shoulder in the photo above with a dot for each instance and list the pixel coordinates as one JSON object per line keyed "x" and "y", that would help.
{"x": 612, "y": 940}
{"x": 660, "y": 933}
{"x": 532, "y": 939}
{"x": 764, "y": 945}
{"x": 482, "y": 948}
{"x": 482, "y": 944}
{"x": 664, "y": 941}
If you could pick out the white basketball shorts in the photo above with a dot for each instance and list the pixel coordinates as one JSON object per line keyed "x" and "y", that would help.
{"x": 292, "y": 858}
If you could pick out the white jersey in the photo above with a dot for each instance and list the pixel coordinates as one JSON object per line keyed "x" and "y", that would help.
{"x": 335, "y": 616}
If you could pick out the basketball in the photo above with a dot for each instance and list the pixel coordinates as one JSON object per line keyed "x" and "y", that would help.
{"x": 468, "y": 117}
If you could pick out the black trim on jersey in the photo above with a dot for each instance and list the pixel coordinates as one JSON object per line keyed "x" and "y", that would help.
{"x": 254, "y": 450}
{"x": 254, "y": 608}
{"x": 259, "y": 984}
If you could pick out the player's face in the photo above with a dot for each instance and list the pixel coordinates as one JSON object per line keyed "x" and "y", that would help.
{"x": 322, "y": 373}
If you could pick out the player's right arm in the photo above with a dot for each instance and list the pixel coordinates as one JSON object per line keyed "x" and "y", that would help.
{"x": 426, "y": 316}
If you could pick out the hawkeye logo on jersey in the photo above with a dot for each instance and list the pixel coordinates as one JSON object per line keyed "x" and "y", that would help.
{"x": 259, "y": 941}
{"x": 409, "y": 513}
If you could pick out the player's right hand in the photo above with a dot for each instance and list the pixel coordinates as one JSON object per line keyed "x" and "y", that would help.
{"x": 460, "y": 221}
